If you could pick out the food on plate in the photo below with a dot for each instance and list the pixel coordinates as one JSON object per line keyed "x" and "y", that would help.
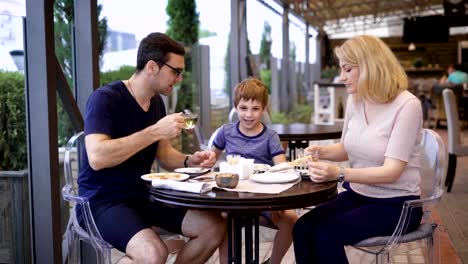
{"x": 290, "y": 165}
{"x": 165, "y": 176}
{"x": 300, "y": 161}
{"x": 261, "y": 167}
{"x": 280, "y": 167}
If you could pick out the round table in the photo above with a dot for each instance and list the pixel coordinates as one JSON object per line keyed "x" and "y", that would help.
{"x": 298, "y": 135}
{"x": 299, "y": 131}
{"x": 244, "y": 208}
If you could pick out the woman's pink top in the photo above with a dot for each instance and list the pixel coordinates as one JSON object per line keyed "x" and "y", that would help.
{"x": 394, "y": 130}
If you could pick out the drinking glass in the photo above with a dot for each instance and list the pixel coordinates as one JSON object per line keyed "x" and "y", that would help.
{"x": 190, "y": 120}
{"x": 233, "y": 159}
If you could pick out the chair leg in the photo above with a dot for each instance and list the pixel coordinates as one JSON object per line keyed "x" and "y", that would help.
{"x": 382, "y": 258}
{"x": 430, "y": 250}
{"x": 103, "y": 255}
{"x": 452, "y": 168}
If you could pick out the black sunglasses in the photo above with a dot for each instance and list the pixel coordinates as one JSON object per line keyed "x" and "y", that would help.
{"x": 176, "y": 71}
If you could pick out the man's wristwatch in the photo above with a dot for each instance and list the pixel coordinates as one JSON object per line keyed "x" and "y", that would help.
{"x": 341, "y": 175}
{"x": 186, "y": 161}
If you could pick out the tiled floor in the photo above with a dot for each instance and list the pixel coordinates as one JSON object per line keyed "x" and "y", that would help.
{"x": 453, "y": 209}
{"x": 453, "y": 235}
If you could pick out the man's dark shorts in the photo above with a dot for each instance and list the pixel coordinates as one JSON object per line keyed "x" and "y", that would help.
{"x": 119, "y": 221}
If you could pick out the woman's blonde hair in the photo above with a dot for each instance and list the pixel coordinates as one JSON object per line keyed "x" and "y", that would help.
{"x": 381, "y": 77}
{"x": 251, "y": 89}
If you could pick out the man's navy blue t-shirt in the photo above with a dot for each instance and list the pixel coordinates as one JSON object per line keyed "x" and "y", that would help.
{"x": 113, "y": 111}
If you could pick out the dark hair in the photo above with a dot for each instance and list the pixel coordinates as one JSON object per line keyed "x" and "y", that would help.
{"x": 456, "y": 67}
{"x": 156, "y": 47}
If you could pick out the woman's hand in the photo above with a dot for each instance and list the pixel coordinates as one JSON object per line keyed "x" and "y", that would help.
{"x": 206, "y": 159}
{"x": 313, "y": 151}
{"x": 323, "y": 171}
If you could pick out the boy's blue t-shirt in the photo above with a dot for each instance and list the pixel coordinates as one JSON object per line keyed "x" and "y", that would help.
{"x": 262, "y": 147}
{"x": 113, "y": 111}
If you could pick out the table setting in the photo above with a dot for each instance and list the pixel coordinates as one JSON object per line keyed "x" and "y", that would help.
{"x": 237, "y": 174}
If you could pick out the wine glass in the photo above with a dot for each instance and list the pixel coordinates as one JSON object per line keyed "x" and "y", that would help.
{"x": 190, "y": 120}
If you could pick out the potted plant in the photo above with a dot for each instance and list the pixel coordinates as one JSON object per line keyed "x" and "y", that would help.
{"x": 13, "y": 174}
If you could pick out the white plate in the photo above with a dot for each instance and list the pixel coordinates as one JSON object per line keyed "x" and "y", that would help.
{"x": 274, "y": 177}
{"x": 192, "y": 171}
{"x": 261, "y": 167}
{"x": 165, "y": 176}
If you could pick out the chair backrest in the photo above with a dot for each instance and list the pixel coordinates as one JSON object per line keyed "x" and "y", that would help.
{"x": 233, "y": 117}
{"x": 212, "y": 137}
{"x": 200, "y": 137}
{"x": 73, "y": 149}
{"x": 453, "y": 122}
{"x": 433, "y": 162}
{"x": 433, "y": 167}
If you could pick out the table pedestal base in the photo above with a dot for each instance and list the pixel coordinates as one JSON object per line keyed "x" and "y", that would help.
{"x": 250, "y": 222}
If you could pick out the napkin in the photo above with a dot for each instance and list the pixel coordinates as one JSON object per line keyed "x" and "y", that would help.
{"x": 193, "y": 187}
{"x": 255, "y": 187}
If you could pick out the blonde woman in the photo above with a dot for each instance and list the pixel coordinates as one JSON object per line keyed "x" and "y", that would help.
{"x": 381, "y": 139}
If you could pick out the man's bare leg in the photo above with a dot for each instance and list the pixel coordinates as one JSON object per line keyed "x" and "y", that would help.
{"x": 206, "y": 231}
{"x": 145, "y": 247}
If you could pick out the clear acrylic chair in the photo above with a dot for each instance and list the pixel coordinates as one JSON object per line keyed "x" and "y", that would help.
{"x": 74, "y": 233}
{"x": 433, "y": 166}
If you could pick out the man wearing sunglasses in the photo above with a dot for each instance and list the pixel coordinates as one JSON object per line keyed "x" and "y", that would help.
{"x": 126, "y": 128}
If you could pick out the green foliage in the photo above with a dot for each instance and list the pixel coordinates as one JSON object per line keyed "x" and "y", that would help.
{"x": 64, "y": 125}
{"x": 13, "y": 148}
{"x": 63, "y": 19}
{"x": 183, "y": 23}
{"x": 300, "y": 114}
{"x": 227, "y": 67}
{"x": 418, "y": 62}
{"x": 279, "y": 118}
{"x": 123, "y": 73}
{"x": 206, "y": 33}
{"x": 329, "y": 72}
{"x": 265, "y": 77}
{"x": 265, "y": 46}
{"x": 292, "y": 51}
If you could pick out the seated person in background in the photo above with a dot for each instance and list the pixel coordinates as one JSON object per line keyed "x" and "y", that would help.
{"x": 251, "y": 139}
{"x": 455, "y": 75}
{"x": 126, "y": 128}
{"x": 381, "y": 138}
